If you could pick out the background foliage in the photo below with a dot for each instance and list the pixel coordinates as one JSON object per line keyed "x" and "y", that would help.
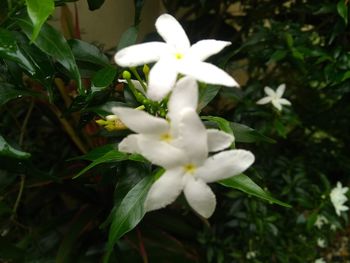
{"x": 53, "y": 88}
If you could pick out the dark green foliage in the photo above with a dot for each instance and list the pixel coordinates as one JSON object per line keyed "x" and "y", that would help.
{"x": 68, "y": 195}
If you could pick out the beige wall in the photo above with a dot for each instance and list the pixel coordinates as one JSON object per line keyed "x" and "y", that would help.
{"x": 106, "y": 25}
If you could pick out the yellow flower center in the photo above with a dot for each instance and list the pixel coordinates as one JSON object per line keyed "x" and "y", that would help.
{"x": 190, "y": 168}
{"x": 179, "y": 56}
{"x": 112, "y": 123}
{"x": 166, "y": 137}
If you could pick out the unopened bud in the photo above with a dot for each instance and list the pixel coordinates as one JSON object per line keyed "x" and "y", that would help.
{"x": 126, "y": 74}
{"x": 145, "y": 69}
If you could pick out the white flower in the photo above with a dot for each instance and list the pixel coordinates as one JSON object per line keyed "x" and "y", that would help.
{"x": 320, "y": 221}
{"x": 321, "y": 242}
{"x": 175, "y": 56}
{"x": 250, "y": 255}
{"x": 275, "y": 97}
{"x": 338, "y": 198}
{"x": 320, "y": 260}
{"x": 184, "y": 96}
{"x": 189, "y": 169}
{"x": 333, "y": 227}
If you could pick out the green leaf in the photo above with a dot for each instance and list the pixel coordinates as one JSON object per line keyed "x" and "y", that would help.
{"x": 39, "y": 11}
{"x": 9, "y": 151}
{"x": 103, "y": 78}
{"x": 51, "y": 42}
{"x": 9, "y": 92}
{"x": 342, "y": 9}
{"x": 138, "y": 8}
{"x": 10, "y": 252}
{"x": 245, "y": 184}
{"x": 223, "y": 124}
{"x": 110, "y": 156}
{"x": 129, "y": 213}
{"x": 95, "y": 4}
{"x": 9, "y": 50}
{"x": 277, "y": 56}
{"x": 128, "y": 38}
{"x": 206, "y": 94}
{"x": 96, "y": 153}
{"x": 86, "y": 52}
{"x": 82, "y": 220}
{"x": 246, "y": 134}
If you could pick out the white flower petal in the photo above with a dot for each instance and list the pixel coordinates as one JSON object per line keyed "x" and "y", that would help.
{"x": 284, "y": 102}
{"x": 140, "y": 54}
{"x": 206, "y": 72}
{"x": 270, "y": 92}
{"x": 129, "y": 144}
{"x": 165, "y": 190}
{"x": 225, "y": 164}
{"x": 184, "y": 95}
{"x": 136, "y": 84}
{"x": 264, "y": 100}
{"x": 172, "y": 32}
{"x": 140, "y": 121}
{"x": 206, "y": 48}
{"x": 199, "y": 196}
{"x": 276, "y": 104}
{"x": 280, "y": 90}
{"x": 162, "y": 153}
{"x": 162, "y": 78}
{"x": 218, "y": 140}
{"x": 193, "y": 136}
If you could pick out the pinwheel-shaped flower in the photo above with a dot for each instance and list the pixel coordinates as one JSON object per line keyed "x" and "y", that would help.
{"x": 275, "y": 97}
{"x": 188, "y": 167}
{"x": 175, "y": 56}
{"x": 338, "y": 198}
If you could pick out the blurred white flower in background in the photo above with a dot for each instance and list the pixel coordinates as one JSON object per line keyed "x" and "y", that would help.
{"x": 338, "y": 198}
{"x": 320, "y": 221}
{"x": 251, "y": 255}
{"x": 275, "y": 97}
{"x": 320, "y": 260}
{"x": 321, "y": 242}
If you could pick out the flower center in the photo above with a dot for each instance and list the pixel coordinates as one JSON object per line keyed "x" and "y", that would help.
{"x": 179, "y": 56}
{"x": 166, "y": 137}
{"x": 190, "y": 168}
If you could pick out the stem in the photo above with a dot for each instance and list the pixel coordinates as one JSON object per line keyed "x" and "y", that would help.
{"x": 69, "y": 129}
{"x": 19, "y": 196}
{"x": 134, "y": 71}
{"x": 9, "y": 5}
{"x": 25, "y": 122}
{"x": 142, "y": 247}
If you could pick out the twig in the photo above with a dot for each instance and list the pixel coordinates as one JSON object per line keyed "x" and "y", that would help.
{"x": 25, "y": 122}
{"x": 142, "y": 246}
{"x": 69, "y": 129}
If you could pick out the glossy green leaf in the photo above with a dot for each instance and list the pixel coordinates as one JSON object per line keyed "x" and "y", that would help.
{"x": 10, "y": 50}
{"x": 129, "y": 213}
{"x": 342, "y": 9}
{"x": 111, "y": 156}
{"x": 51, "y": 42}
{"x": 95, "y": 4}
{"x": 9, "y": 92}
{"x": 39, "y": 11}
{"x": 96, "y": 153}
{"x": 128, "y": 38}
{"x": 206, "y": 94}
{"x": 87, "y": 52}
{"x": 223, "y": 124}
{"x": 246, "y": 134}
{"x": 9, "y": 151}
{"x": 245, "y": 184}
{"x": 103, "y": 78}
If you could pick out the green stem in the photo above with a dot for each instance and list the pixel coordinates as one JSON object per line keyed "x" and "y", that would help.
{"x": 9, "y": 5}
{"x": 134, "y": 71}
{"x": 140, "y": 98}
